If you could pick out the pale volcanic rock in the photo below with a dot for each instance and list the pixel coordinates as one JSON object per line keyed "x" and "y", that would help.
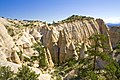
{"x": 58, "y": 38}
{"x": 59, "y": 41}
{"x": 8, "y": 42}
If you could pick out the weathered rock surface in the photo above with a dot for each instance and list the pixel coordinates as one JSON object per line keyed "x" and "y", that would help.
{"x": 45, "y": 77}
{"x": 114, "y": 35}
{"x": 18, "y": 37}
{"x": 21, "y": 41}
{"x": 61, "y": 39}
{"x": 6, "y": 44}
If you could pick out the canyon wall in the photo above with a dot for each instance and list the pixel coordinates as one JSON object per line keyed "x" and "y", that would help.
{"x": 22, "y": 40}
{"x": 62, "y": 38}
{"x": 59, "y": 39}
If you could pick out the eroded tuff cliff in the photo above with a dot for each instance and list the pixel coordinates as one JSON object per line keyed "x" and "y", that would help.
{"x": 114, "y": 35}
{"x": 60, "y": 39}
{"x": 17, "y": 39}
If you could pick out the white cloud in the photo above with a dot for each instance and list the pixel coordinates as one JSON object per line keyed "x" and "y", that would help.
{"x": 112, "y": 20}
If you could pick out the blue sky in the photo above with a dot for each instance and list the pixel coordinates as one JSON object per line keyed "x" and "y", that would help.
{"x": 49, "y": 10}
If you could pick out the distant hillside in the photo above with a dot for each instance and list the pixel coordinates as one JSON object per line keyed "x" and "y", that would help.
{"x": 113, "y": 24}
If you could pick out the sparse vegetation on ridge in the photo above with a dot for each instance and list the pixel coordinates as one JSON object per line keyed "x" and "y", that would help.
{"x": 70, "y": 19}
{"x": 75, "y": 18}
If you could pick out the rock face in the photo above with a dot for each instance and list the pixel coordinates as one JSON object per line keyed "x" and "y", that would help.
{"x": 7, "y": 44}
{"x": 21, "y": 40}
{"x": 59, "y": 39}
{"x": 114, "y": 35}
{"x": 18, "y": 37}
{"x": 62, "y": 38}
